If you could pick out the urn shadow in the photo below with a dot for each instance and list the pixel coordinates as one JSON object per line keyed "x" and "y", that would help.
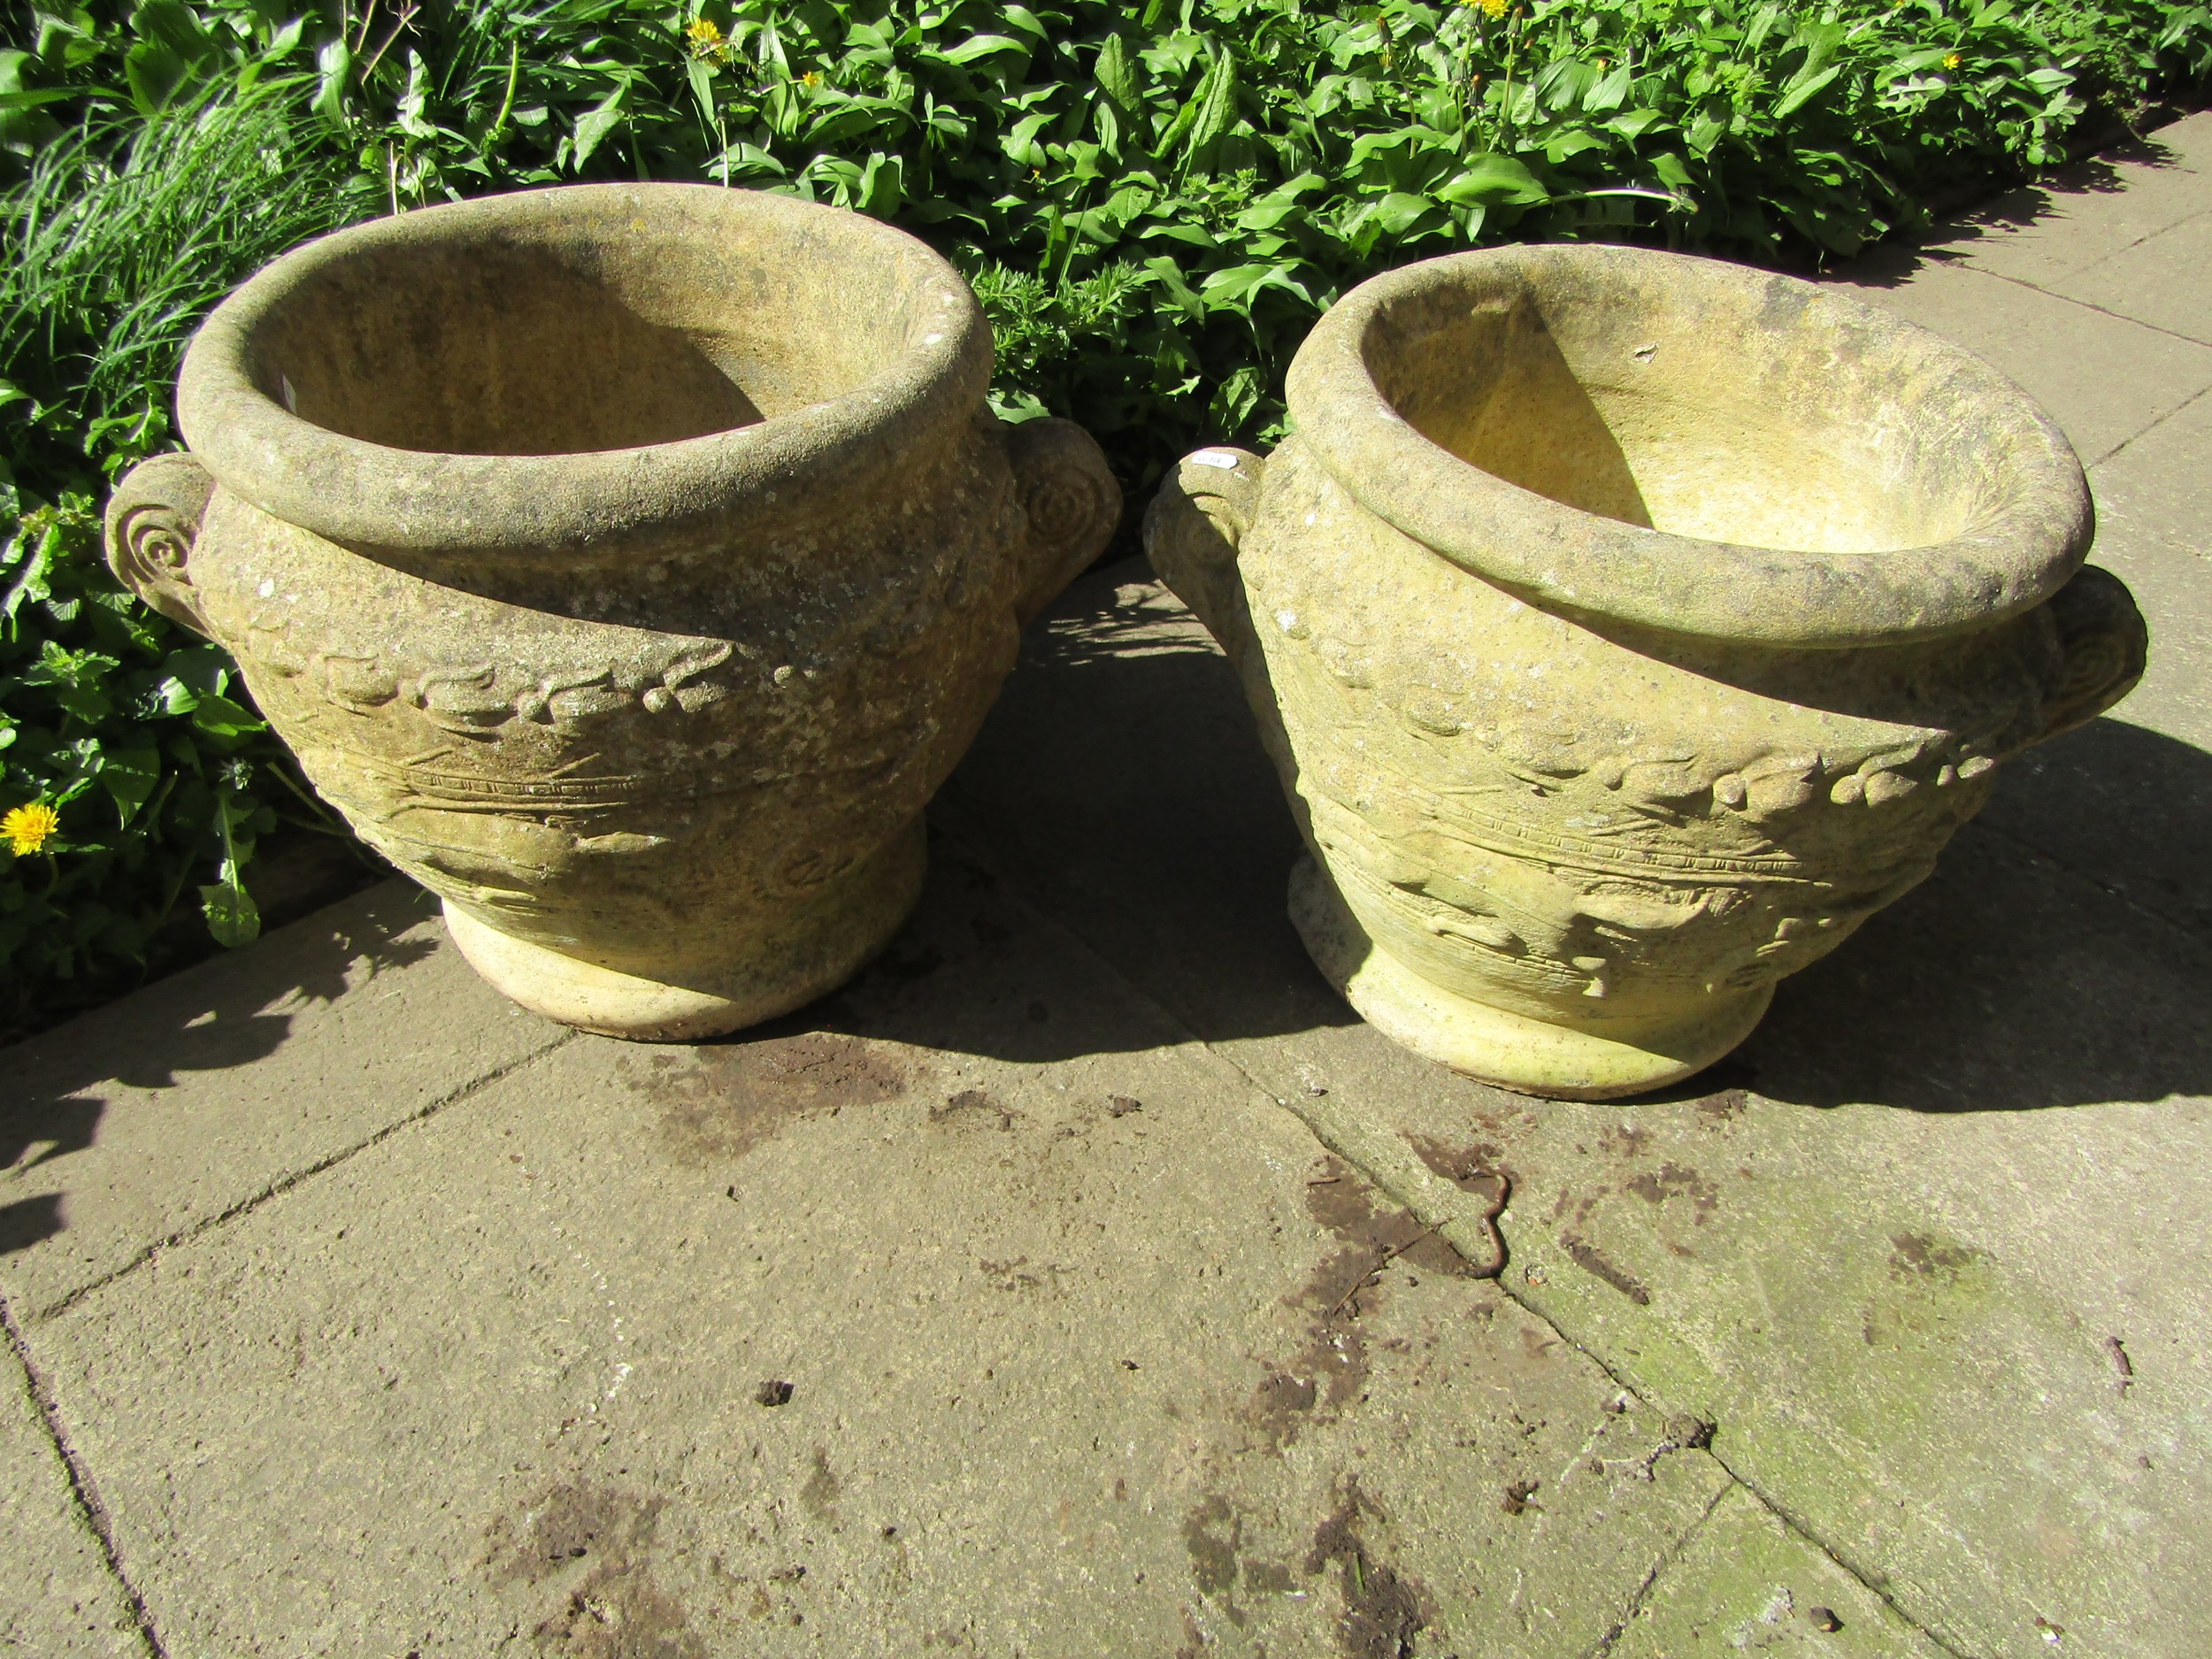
{"x": 491, "y": 349}
{"x": 225, "y": 1013}
{"x": 2056, "y": 958}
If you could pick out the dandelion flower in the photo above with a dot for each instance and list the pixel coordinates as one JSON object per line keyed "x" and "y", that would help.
{"x": 1951, "y": 60}
{"x": 1494, "y": 9}
{"x": 29, "y": 827}
{"x": 706, "y": 39}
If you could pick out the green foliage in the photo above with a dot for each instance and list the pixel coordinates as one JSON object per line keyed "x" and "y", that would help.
{"x": 1154, "y": 200}
{"x": 122, "y": 231}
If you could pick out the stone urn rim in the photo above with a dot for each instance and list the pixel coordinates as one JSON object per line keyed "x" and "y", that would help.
{"x": 2017, "y": 550}
{"x": 535, "y": 507}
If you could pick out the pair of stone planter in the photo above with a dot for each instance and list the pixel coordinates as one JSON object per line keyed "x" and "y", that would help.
{"x": 630, "y": 565}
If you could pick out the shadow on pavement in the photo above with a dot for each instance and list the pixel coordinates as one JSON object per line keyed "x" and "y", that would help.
{"x": 1120, "y": 782}
{"x": 2059, "y": 956}
{"x": 2048, "y": 962}
{"x": 1889, "y": 264}
{"x": 228, "y": 1011}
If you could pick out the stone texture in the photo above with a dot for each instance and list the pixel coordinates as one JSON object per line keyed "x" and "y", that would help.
{"x": 1541, "y": 610}
{"x": 160, "y": 1114}
{"x": 833, "y": 1342}
{"x": 629, "y": 563}
{"x": 1746, "y": 1584}
{"x": 58, "y": 1598}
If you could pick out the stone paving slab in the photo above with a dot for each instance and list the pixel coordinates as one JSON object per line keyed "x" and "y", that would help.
{"x": 1746, "y": 1584}
{"x": 2046, "y": 233}
{"x": 136, "y": 1124}
{"x": 58, "y": 1598}
{"x": 1865, "y": 1249}
{"x": 1076, "y": 1329}
{"x": 2086, "y": 289}
{"x": 2158, "y": 282}
{"x": 2104, "y": 379}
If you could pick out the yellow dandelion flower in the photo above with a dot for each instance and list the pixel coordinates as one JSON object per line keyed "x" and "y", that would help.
{"x": 812, "y": 78}
{"x": 1494, "y": 9}
{"x": 706, "y": 41}
{"x": 29, "y": 827}
{"x": 1951, "y": 60}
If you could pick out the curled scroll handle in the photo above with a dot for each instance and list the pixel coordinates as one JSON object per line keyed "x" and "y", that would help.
{"x": 153, "y": 521}
{"x": 2104, "y": 642}
{"x": 1071, "y": 502}
{"x": 1195, "y": 525}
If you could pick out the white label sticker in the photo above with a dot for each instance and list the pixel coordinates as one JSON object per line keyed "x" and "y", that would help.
{"x": 1222, "y": 458}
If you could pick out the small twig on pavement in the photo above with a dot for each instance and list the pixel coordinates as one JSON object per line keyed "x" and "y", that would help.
{"x": 1361, "y": 1282}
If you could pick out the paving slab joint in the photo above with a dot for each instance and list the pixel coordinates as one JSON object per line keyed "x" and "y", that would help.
{"x": 1875, "y": 1584}
{"x": 84, "y": 1493}
{"x": 1606, "y": 1643}
{"x": 2134, "y": 438}
{"x": 285, "y": 1183}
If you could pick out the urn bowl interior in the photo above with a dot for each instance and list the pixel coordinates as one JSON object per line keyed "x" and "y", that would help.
{"x": 1680, "y": 398}
{"x": 592, "y": 326}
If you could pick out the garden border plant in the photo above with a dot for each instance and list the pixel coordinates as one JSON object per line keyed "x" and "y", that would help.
{"x": 1154, "y": 202}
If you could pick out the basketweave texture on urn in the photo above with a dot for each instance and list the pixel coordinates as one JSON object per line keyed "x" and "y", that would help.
{"x": 1627, "y": 628}
{"x": 629, "y": 563}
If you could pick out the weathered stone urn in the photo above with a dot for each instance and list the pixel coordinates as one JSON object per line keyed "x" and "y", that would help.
{"x": 629, "y": 563}
{"x": 1627, "y": 629}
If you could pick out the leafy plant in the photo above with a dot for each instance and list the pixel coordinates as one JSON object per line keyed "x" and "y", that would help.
{"x": 127, "y": 730}
{"x": 1152, "y": 201}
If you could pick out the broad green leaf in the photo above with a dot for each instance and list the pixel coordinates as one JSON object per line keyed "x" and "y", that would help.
{"x": 595, "y": 123}
{"x": 982, "y": 46}
{"x": 221, "y": 717}
{"x": 1609, "y": 93}
{"x": 129, "y": 772}
{"x": 1801, "y": 89}
{"x": 1117, "y": 73}
{"x": 231, "y": 914}
{"x": 1494, "y": 178}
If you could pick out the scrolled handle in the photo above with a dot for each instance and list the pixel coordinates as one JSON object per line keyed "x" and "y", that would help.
{"x": 1195, "y": 524}
{"x": 153, "y": 522}
{"x": 1071, "y": 501}
{"x": 2105, "y": 644}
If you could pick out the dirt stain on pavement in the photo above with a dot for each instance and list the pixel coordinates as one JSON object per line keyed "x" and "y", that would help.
{"x": 614, "y": 1610}
{"x": 1328, "y": 1372}
{"x": 974, "y": 1109}
{"x": 1672, "y": 1180}
{"x": 1921, "y": 1255}
{"x": 730, "y": 1097}
{"x": 1587, "y": 1256}
{"x": 1384, "y": 1610}
{"x": 823, "y": 1487}
{"x": 1344, "y": 1202}
{"x": 1211, "y": 1533}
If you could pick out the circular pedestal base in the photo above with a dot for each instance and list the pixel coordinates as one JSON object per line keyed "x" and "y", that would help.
{"x": 784, "y": 967}
{"x": 1492, "y": 1045}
